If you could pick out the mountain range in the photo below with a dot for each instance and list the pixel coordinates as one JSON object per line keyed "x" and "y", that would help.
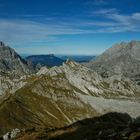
{"x": 45, "y": 60}
{"x": 56, "y": 97}
{"x": 51, "y": 60}
{"x": 77, "y": 58}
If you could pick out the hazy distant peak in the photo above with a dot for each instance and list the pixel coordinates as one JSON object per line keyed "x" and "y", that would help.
{"x": 2, "y": 43}
{"x": 45, "y": 60}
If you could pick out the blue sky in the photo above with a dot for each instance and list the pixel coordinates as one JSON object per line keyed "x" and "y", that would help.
{"x": 68, "y": 26}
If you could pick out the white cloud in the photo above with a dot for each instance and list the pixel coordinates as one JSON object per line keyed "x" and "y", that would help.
{"x": 105, "y": 11}
{"x": 117, "y": 22}
{"x": 29, "y": 31}
{"x": 131, "y": 21}
{"x": 24, "y": 31}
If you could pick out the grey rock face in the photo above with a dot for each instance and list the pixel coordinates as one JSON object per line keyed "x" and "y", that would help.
{"x": 9, "y": 84}
{"x": 122, "y": 59}
{"x": 11, "y": 61}
{"x": 12, "y": 69}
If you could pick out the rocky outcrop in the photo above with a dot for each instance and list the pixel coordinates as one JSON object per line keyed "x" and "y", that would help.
{"x": 11, "y": 135}
{"x": 10, "y": 83}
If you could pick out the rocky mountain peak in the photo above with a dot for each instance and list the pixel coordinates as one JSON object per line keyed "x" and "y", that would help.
{"x": 42, "y": 71}
{"x": 127, "y": 46}
{"x": 70, "y": 62}
{"x": 121, "y": 59}
{"x": 11, "y": 61}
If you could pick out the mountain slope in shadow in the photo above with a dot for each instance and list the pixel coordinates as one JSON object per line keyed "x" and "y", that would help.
{"x": 111, "y": 126}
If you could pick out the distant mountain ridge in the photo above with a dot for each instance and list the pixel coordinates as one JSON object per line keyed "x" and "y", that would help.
{"x": 49, "y": 60}
{"x": 77, "y": 58}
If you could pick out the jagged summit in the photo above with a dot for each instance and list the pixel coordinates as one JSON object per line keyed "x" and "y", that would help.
{"x": 70, "y": 62}
{"x": 122, "y": 59}
{"x": 11, "y": 61}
